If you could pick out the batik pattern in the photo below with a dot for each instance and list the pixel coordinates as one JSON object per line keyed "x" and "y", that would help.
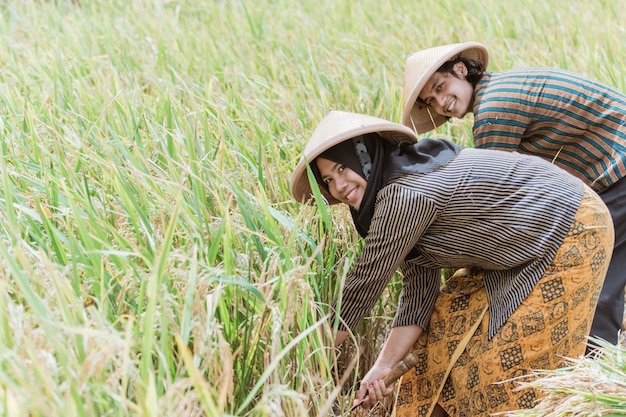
{"x": 470, "y": 375}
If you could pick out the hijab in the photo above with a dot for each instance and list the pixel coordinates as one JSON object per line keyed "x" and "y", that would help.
{"x": 380, "y": 162}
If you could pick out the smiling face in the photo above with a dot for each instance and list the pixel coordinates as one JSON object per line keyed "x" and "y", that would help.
{"x": 449, "y": 95}
{"x": 343, "y": 183}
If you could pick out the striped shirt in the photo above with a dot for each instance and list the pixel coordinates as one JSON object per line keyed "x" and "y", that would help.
{"x": 577, "y": 123}
{"x": 504, "y": 212}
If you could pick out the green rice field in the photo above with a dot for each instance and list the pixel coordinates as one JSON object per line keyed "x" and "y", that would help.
{"x": 153, "y": 262}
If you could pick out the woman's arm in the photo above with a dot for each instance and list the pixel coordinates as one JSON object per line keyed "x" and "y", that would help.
{"x": 420, "y": 288}
{"x": 341, "y": 336}
{"x": 396, "y": 347}
{"x": 401, "y": 216}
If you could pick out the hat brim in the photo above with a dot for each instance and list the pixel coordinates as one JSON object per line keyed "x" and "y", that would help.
{"x": 419, "y": 67}
{"x": 335, "y": 128}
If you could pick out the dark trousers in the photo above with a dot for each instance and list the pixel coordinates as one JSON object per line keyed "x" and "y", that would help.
{"x": 610, "y": 310}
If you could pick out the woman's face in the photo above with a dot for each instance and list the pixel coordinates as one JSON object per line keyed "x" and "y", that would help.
{"x": 343, "y": 183}
{"x": 448, "y": 95}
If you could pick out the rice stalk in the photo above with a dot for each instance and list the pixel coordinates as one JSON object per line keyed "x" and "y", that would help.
{"x": 590, "y": 386}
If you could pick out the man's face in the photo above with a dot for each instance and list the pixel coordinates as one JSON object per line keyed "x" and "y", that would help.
{"x": 449, "y": 95}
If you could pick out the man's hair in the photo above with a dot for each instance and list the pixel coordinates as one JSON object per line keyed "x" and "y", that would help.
{"x": 475, "y": 69}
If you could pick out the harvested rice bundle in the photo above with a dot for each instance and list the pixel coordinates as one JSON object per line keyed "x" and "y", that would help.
{"x": 591, "y": 386}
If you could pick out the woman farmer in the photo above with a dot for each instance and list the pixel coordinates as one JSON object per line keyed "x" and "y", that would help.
{"x": 565, "y": 118}
{"x": 537, "y": 240}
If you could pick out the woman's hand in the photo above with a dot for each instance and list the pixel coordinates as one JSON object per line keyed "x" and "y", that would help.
{"x": 396, "y": 347}
{"x": 373, "y": 388}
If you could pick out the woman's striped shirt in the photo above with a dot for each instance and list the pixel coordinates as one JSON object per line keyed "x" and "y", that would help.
{"x": 577, "y": 123}
{"x": 504, "y": 212}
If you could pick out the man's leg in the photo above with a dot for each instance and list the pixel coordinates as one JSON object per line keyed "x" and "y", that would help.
{"x": 610, "y": 310}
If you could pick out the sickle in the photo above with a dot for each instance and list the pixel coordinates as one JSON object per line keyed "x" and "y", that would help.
{"x": 399, "y": 369}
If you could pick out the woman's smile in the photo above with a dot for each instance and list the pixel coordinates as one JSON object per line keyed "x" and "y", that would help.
{"x": 351, "y": 194}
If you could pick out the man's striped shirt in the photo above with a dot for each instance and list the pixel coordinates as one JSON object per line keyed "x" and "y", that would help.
{"x": 577, "y": 123}
{"x": 504, "y": 212}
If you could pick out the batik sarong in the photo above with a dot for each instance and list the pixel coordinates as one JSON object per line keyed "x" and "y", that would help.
{"x": 468, "y": 374}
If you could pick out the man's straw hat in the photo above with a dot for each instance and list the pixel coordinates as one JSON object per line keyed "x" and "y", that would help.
{"x": 420, "y": 66}
{"x": 336, "y": 127}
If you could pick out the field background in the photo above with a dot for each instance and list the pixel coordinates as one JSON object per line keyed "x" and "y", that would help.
{"x": 153, "y": 262}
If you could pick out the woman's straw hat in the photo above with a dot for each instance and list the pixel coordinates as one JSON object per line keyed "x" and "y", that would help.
{"x": 336, "y": 127}
{"x": 420, "y": 66}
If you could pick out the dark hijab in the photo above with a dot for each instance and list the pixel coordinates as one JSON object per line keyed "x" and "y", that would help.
{"x": 380, "y": 162}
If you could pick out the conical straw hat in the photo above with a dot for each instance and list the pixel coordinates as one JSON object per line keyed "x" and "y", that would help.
{"x": 419, "y": 67}
{"x": 336, "y": 127}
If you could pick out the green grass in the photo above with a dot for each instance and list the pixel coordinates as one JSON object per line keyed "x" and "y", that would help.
{"x": 153, "y": 261}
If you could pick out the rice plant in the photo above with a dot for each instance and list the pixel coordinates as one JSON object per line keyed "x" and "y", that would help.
{"x": 590, "y": 386}
{"x": 153, "y": 262}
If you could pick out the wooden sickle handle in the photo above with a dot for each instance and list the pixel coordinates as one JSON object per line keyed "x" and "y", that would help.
{"x": 401, "y": 368}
